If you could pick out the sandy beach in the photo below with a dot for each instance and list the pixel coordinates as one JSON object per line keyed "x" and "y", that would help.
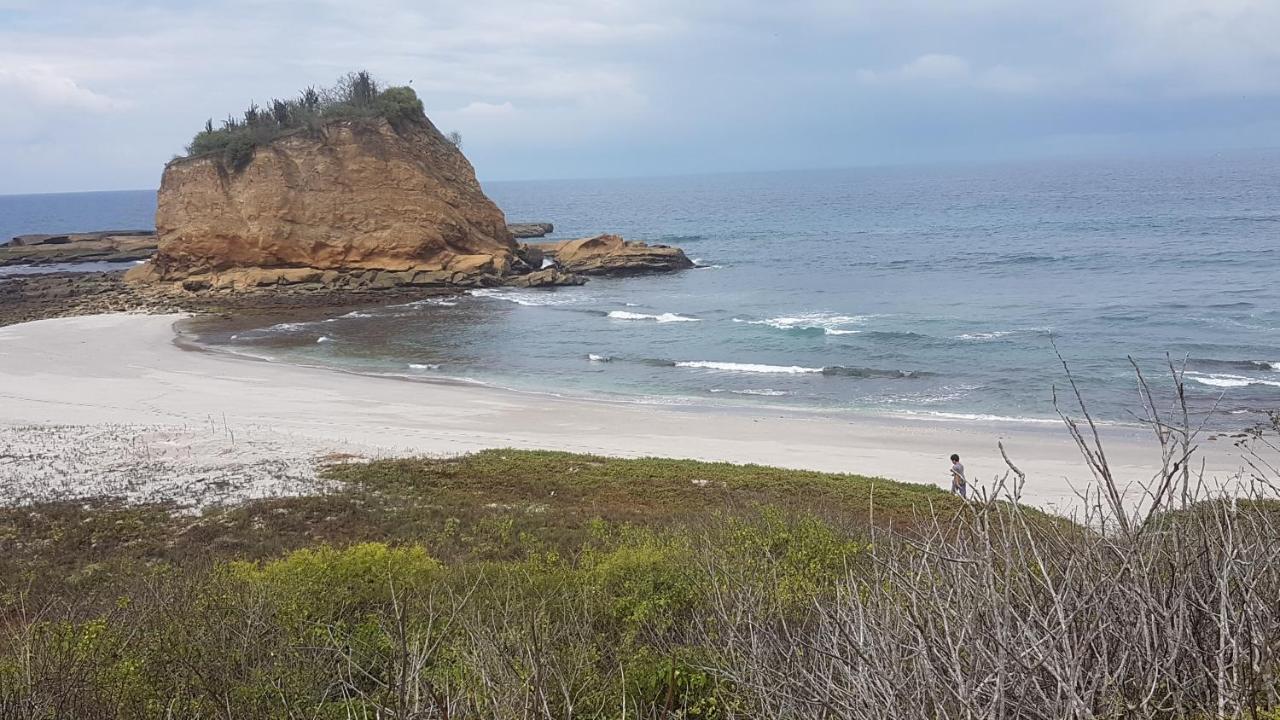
{"x": 86, "y": 401}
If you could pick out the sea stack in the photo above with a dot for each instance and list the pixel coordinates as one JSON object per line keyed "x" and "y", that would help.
{"x": 347, "y": 201}
{"x": 350, "y": 189}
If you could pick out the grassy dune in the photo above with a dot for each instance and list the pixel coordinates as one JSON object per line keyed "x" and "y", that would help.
{"x": 550, "y": 585}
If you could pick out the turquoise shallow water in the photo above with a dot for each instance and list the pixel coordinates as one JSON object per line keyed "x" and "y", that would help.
{"x": 920, "y": 290}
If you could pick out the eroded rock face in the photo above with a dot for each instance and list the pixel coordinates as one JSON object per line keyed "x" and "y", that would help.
{"x": 611, "y": 255}
{"x": 354, "y": 195}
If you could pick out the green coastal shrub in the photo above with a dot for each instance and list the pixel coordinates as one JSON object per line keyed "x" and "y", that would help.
{"x": 355, "y": 95}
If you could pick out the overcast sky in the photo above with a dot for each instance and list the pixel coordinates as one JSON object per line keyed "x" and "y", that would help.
{"x": 99, "y": 94}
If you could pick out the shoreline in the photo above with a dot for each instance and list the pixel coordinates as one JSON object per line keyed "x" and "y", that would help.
{"x": 188, "y": 336}
{"x": 131, "y": 370}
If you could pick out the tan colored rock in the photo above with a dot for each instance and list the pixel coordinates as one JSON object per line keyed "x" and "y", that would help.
{"x": 611, "y": 255}
{"x": 351, "y": 195}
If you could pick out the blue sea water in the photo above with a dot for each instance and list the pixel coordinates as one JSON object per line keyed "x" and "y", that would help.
{"x": 938, "y": 291}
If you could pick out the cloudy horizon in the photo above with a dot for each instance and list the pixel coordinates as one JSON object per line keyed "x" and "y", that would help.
{"x": 97, "y": 97}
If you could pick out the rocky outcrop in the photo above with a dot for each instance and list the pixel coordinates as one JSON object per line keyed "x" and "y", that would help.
{"x": 611, "y": 255}
{"x": 344, "y": 200}
{"x": 531, "y": 230}
{"x": 101, "y": 246}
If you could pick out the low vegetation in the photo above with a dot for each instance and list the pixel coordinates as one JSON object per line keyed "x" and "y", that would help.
{"x": 356, "y": 95}
{"x": 548, "y": 585}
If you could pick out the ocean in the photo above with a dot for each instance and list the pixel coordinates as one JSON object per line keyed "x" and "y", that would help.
{"x": 928, "y": 291}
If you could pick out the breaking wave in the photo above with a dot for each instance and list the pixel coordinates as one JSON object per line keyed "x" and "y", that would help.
{"x": 535, "y": 298}
{"x": 979, "y": 336}
{"x": 826, "y": 323}
{"x": 1224, "y": 380}
{"x": 663, "y": 318}
{"x": 830, "y": 370}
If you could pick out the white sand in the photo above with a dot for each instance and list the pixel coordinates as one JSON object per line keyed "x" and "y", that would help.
{"x": 223, "y": 428}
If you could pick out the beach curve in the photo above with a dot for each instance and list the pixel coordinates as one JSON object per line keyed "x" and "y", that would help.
{"x": 126, "y": 370}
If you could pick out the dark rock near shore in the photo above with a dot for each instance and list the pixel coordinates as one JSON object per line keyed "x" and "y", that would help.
{"x": 36, "y": 297}
{"x": 550, "y": 277}
{"x": 611, "y": 255}
{"x": 531, "y": 230}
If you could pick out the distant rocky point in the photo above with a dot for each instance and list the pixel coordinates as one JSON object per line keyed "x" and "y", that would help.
{"x": 531, "y": 230}
{"x": 100, "y": 246}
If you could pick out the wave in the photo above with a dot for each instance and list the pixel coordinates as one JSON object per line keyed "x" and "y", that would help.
{"x": 747, "y": 367}
{"x": 1224, "y": 380}
{"x": 826, "y": 323}
{"x": 829, "y": 370}
{"x": 1212, "y": 363}
{"x": 324, "y": 339}
{"x": 423, "y": 366}
{"x": 535, "y": 298}
{"x": 663, "y": 318}
{"x": 762, "y": 392}
{"x": 288, "y": 327}
{"x": 985, "y": 335}
{"x": 599, "y": 358}
{"x": 980, "y": 417}
{"x": 1023, "y": 259}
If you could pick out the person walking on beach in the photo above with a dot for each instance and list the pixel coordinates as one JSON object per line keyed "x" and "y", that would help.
{"x": 958, "y": 484}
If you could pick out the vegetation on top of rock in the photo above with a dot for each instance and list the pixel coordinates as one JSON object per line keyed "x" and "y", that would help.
{"x": 355, "y": 95}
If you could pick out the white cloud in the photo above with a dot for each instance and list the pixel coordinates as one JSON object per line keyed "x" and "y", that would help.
{"x": 952, "y": 71}
{"x": 936, "y": 67}
{"x": 45, "y": 86}
{"x": 484, "y": 109}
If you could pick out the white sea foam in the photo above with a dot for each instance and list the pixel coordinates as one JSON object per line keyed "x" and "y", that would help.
{"x": 289, "y": 327}
{"x": 1223, "y": 380}
{"x": 542, "y": 298}
{"x": 599, "y": 358}
{"x": 423, "y": 366}
{"x": 663, "y": 318}
{"x": 356, "y": 314}
{"x": 748, "y": 367}
{"x": 764, "y": 392}
{"x": 829, "y": 323}
{"x": 985, "y": 335}
{"x": 324, "y": 339}
{"x": 982, "y": 417}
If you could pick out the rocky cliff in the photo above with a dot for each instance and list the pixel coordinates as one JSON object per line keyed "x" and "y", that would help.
{"x": 361, "y": 201}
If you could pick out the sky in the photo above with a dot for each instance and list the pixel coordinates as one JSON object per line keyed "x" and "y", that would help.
{"x": 98, "y": 95}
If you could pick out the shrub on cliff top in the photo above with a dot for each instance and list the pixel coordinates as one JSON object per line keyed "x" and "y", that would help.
{"x": 355, "y": 95}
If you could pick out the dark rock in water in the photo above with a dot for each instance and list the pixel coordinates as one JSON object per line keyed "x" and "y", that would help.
{"x": 611, "y": 255}
{"x": 101, "y": 246}
{"x": 532, "y": 256}
{"x": 551, "y": 277}
{"x": 531, "y": 230}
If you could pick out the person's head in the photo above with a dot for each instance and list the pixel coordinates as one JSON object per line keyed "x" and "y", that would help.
{"x": 955, "y": 458}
